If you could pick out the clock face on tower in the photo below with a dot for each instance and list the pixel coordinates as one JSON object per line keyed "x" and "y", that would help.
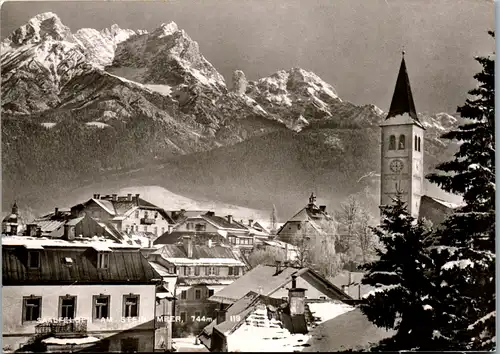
{"x": 396, "y": 166}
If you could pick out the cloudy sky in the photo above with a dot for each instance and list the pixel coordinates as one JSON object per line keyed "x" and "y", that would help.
{"x": 354, "y": 45}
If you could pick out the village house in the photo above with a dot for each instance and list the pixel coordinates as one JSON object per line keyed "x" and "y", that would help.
{"x": 13, "y": 224}
{"x": 224, "y": 230}
{"x": 84, "y": 291}
{"x": 199, "y": 271}
{"x": 259, "y": 307}
{"x": 310, "y": 221}
{"x": 141, "y": 220}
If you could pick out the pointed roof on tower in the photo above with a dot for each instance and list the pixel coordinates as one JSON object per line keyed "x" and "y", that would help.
{"x": 402, "y": 99}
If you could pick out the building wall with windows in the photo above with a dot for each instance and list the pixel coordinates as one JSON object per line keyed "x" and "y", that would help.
{"x": 145, "y": 220}
{"x": 23, "y": 305}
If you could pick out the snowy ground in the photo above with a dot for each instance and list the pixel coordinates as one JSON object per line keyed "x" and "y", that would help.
{"x": 188, "y": 345}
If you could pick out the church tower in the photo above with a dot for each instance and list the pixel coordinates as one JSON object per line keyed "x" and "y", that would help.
{"x": 402, "y": 148}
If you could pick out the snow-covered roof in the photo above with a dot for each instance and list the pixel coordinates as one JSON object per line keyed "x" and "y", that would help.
{"x": 106, "y": 205}
{"x": 205, "y": 261}
{"x": 26, "y": 241}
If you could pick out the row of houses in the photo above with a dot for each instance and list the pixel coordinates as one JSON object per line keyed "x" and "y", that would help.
{"x": 119, "y": 273}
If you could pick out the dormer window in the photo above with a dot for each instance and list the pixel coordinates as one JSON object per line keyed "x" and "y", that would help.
{"x": 392, "y": 142}
{"x": 401, "y": 145}
{"x": 103, "y": 260}
{"x": 34, "y": 259}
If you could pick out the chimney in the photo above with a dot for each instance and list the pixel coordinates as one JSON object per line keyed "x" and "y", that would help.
{"x": 98, "y": 196}
{"x": 250, "y": 222}
{"x": 221, "y": 316}
{"x": 94, "y": 196}
{"x": 296, "y": 298}
{"x": 129, "y": 197}
{"x": 322, "y": 208}
{"x": 114, "y": 197}
{"x": 69, "y": 232}
{"x": 38, "y": 231}
{"x": 170, "y": 228}
{"x": 137, "y": 199}
{"x": 56, "y": 212}
{"x": 278, "y": 267}
{"x": 210, "y": 213}
{"x": 31, "y": 230}
{"x": 188, "y": 246}
{"x": 230, "y": 219}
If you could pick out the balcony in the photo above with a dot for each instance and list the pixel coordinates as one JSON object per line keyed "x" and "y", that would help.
{"x": 147, "y": 221}
{"x": 62, "y": 327}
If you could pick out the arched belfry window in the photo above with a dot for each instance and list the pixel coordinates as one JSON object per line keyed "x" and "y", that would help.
{"x": 392, "y": 142}
{"x": 401, "y": 145}
{"x": 416, "y": 143}
{"x": 419, "y": 144}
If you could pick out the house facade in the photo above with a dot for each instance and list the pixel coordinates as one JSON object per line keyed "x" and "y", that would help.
{"x": 223, "y": 230}
{"x": 310, "y": 221}
{"x": 129, "y": 214}
{"x": 199, "y": 272}
{"x": 100, "y": 289}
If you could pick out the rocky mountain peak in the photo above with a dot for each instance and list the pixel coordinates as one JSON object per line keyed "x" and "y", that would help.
{"x": 239, "y": 82}
{"x": 166, "y": 29}
{"x": 40, "y": 27}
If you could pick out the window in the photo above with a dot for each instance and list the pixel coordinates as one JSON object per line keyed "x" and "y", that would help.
{"x": 197, "y": 294}
{"x": 146, "y": 214}
{"x": 415, "y": 143}
{"x": 137, "y": 214}
{"x": 34, "y": 259}
{"x": 230, "y": 271}
{"x": 136, "y": 227}
{"x": 187, "y": 270}
{"x": 101, "y": 306}
{"x": 162, "y": 230}
{"x": 392, "y": 142}
{"x": 103, "y": 260}
{"x": 156, "y": 214}
{"x": 196, "y": 270}
{"x": 130, "y": 305}
{"x": 236, "y": 271}
{"x": 209, "y": 271}
{"x": 183, "y": 317}
{"x": 129, "y": 345}
{"x": 200, "y": 227}
{"x": 210, "y": 292}
{"x": 197, "y": 314}
{"x": 419, "y": 143}
{"x": 183, "y": 294}
{"x": 145, "y": 228}
{"x": 216, "y": 270}
{"x": 156, "y": 230}
{"x": 32, "y": 308}
{"x": 401, "y": 145}
{"x": 67, "y": 306}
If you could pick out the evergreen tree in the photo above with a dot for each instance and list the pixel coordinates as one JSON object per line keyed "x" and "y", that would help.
{"x": 400, "y": 300}
{"x": 465, "y": 257}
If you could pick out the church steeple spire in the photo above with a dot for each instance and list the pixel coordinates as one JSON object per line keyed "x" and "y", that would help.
{"x": 402, "y": 99}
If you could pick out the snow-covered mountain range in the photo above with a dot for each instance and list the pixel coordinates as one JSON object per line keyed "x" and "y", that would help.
{"x": 93, "y": 103}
